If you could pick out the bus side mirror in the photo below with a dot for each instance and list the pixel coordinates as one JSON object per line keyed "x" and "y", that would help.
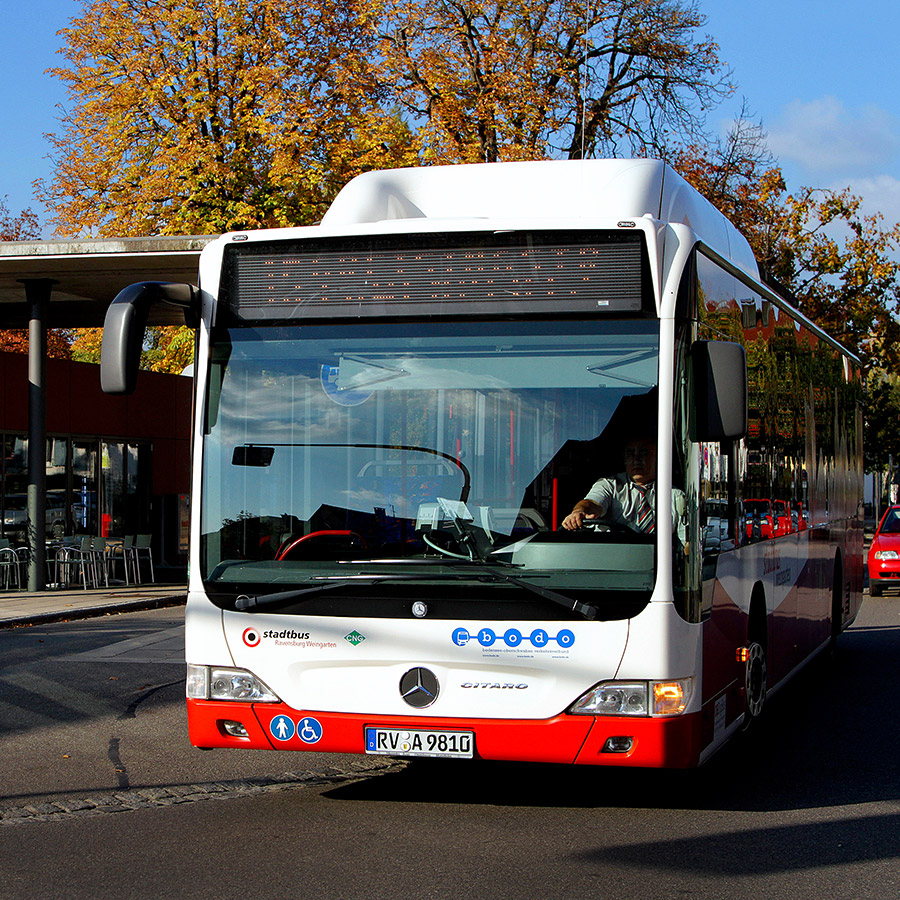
{"x": 719, "y": 376}
{"x": 123, "y": 329}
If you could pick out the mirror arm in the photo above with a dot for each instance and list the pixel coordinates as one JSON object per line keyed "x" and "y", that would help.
{"x": 123, "y": 329}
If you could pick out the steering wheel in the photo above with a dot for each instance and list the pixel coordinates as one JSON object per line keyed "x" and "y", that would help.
{"x": 598, "y": 526}
{"x": 599, "y": 530}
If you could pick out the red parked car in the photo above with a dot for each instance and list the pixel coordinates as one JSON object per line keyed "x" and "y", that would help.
{"x": 884, "y": 554}
{"x": 767, "y": 519}
{"x": 782, "y": 514}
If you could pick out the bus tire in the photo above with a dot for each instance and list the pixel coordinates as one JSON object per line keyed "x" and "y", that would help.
{"x": 755, "y": 667}
{"x": 755, "y": 682}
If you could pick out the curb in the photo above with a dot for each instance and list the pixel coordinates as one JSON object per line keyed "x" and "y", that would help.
{"x": 91, "y": 612}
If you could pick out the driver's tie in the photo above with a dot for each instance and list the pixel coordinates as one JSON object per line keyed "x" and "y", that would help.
{"x": 645, "y": 513}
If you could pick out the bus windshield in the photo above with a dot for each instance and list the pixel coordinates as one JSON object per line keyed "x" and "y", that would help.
{"x": 376, "y": 461}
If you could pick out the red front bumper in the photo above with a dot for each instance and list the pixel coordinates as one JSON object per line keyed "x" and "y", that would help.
{"x": 656, "y": 742}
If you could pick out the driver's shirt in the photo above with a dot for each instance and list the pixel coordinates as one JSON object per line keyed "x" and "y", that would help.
{"x": 622, "y": 500}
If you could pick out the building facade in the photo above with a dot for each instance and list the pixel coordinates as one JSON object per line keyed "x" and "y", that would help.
{"x": 115, "y": 466}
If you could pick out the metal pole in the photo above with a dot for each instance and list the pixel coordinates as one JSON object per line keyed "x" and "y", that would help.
{"x": 37, "y": 293}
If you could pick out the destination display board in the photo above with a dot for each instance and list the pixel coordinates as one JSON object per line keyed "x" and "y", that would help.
{"x": 476, "y": 273}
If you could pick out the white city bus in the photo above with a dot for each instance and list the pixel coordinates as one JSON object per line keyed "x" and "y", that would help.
{"x": 396, "y": 409}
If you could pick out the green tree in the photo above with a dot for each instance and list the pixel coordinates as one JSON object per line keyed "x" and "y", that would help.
{"x": 86, "y": 345}
{"x": 168, "y": 349}
{"x": 882, "y": 436}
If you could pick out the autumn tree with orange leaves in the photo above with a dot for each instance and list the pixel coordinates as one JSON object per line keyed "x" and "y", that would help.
{"x": 25, "y": 227}
{"x": 485, "y": 81}
{"x": 206, "y": 116}
{"x": 838, "y": 264}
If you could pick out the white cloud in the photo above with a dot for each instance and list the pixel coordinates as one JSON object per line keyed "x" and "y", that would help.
{"x": 824, "y": 136}
{"x": 880, "y": 194}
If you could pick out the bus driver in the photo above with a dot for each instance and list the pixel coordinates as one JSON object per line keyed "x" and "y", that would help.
{"x": 628, "y": 499}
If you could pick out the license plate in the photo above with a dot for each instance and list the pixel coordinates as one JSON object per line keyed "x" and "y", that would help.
{"x": 407, "y": 742}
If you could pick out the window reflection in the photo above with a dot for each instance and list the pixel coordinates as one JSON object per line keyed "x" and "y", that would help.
{"x": 93, "y": 487}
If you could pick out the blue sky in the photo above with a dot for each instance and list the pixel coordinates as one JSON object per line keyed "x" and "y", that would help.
{"x": 820, "y": 75}
{"x": 822, "y": 78}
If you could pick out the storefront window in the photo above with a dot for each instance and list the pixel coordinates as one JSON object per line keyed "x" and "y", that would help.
{"x": 112, "y": 514}
{"x": 84, "y": 487}
{"x": 15, "y": 487}
{"x": 57, "y": 511}
{"x": 97, "y": 487}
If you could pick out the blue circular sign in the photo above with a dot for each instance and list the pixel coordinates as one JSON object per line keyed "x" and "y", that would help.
{"x": 539, "y": 637}
{"x": 486, "y": 637}
{"x": 309, "y": 730}
{"x": 461, "y": 636}
{"x": 513, "y": 637}
{"x": 282, "y": 728}
{"x": 329, "y": 377}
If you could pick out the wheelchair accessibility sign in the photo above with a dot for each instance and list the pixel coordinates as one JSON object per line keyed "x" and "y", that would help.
{"x": 308, "y": 729}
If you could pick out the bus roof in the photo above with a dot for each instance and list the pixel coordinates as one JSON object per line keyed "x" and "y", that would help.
{"x": 560, "y": 190}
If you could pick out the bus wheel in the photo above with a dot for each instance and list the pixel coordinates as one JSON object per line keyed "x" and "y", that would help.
{"x": 754, "y": 682}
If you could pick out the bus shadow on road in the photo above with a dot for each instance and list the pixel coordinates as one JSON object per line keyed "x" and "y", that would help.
{"x": 829, "y": 738}
{"x": 781, "y": 849}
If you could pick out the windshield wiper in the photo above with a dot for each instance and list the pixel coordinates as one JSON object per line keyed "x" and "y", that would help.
{"x": 583, "y": 609}
{"x": 327, "y": 583}
{"x": 247, "y": 602}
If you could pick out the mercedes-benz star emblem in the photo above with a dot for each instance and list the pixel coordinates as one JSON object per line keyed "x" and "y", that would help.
{"x": 419, "y": 688}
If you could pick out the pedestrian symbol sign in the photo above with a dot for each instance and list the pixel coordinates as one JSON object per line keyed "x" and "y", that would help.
{"x": 282, "y": 728}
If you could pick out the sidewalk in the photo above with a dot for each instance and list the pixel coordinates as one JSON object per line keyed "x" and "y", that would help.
{"x": 21, "y": 608}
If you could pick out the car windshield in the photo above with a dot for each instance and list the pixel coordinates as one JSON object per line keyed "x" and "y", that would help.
{"x": 340, "y": 453}
{"x": 891, "y": 523}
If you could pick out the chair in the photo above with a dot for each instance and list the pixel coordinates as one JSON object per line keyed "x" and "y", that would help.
{"x": 10, "y": 571}
{"x": 100, "y": 561}
{"x": 142, "y": 546}
{"x": 124, "y": 552}
{"x": 76, "y": 560}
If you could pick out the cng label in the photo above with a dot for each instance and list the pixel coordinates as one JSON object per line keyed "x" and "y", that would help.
{"x": 354, "y": 638}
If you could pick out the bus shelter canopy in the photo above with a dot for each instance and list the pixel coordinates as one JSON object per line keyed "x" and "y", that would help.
{"x": 70, "y": 284}
{"x": 85, "y": 276}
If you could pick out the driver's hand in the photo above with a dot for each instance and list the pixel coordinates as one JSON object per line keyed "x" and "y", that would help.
{"x": 575, "y": 519}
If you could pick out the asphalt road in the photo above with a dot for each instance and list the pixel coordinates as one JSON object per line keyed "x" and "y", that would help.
{"x": 100, "y": 795}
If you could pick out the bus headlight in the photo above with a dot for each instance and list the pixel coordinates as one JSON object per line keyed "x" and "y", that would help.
{"x": 218, "y": 683}
{"x": 613, "y": 698}
{"x": 635, "y": 698}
